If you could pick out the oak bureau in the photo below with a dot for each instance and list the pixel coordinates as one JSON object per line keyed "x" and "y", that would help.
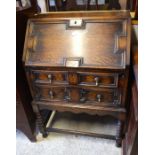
{"x": 79, "y": 62}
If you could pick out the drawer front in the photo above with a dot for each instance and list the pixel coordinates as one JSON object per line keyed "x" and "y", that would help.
{"x": 109, "y": 80}
{"x": 98, "y": 79}
{"x": 101, "y": 97}
{"x": 109, "y": 97}
{"x": 50, "y": 93}
{"x": 50, "y": 77}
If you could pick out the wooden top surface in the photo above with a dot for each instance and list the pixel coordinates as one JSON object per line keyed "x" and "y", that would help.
{"x": 95, "y": 39}
{"x": 121, "y": 14}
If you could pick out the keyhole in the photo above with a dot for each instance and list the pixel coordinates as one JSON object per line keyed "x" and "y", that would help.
{"x": 75, "y": 22}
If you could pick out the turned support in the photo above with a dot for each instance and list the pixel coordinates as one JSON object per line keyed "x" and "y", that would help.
{"x": 119, "y": 133}
{"x": 39, "y": 122}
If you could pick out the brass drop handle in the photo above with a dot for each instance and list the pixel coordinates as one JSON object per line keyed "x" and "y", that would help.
{"x": 67, "y": 98}
{"x": 99, "y": 97}
{"x": 67, "y": 95}
{"x": 49, "y": 77}
{"x": 51, "y": 94}
{"x": 96, "y": 80}
{"x": 83, "y": 98}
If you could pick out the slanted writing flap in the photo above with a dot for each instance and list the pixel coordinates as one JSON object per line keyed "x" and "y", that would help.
{"x": 100, "y": 42}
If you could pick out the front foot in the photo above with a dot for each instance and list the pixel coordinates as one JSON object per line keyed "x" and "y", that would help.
{"x": 119, "y": 133}
{"x": 118, "y": 142}
{"x": 44, "y": 135}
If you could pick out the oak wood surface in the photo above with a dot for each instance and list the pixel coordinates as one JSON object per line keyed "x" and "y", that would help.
{"x": 110, "y": 52}
{"x": 130, "y": 142}
{"x": 79, "y": 62}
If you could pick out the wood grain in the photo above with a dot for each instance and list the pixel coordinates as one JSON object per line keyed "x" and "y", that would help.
{"x": 95, "y": 78}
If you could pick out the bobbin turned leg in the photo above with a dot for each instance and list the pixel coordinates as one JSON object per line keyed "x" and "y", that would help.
{"x": 40, "y": 123}
{"x": 119, "y": 133}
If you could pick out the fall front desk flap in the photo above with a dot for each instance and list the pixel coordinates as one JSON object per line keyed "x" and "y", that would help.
{"x": 79, "y": 39}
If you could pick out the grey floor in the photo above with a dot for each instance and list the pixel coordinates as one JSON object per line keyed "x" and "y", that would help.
{"x": 69, "y": 144}
{"x": 64, "y": 144}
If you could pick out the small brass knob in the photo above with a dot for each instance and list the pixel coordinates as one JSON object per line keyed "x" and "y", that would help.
{"x": 67, "y": 98}
{"x": 99, "y": 97}
{"x": 83, "y": 99}
{"x": 67, "y": 95}
{"x": 49, "y": 77}
{"x": 51, "y": 94}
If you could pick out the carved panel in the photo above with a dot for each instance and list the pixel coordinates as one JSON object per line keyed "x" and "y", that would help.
{"x": 72, "y": 78}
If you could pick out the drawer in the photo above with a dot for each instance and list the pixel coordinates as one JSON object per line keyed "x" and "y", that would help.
{"x": 98, "y": 79}
{"x": 110, "y": 97}
{"x": 50, "y": 77}
{"x": 80, "y": 95}
{"x": 43, "y": 93}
